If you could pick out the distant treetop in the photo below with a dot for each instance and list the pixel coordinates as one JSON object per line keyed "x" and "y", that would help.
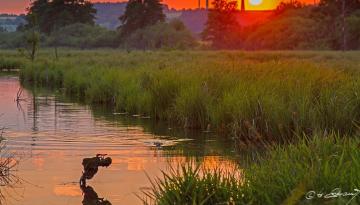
{"x": 54, "y": 14}
{"x": 140, "y": 14}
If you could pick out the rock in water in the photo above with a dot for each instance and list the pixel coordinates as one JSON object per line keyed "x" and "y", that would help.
{"x": 91, "y": 166}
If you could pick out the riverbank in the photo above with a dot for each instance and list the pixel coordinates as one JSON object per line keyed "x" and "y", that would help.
{"x": 316, "y": 170}
{"x": 307, "y": 98}
{"x": 256, "y": 96}
{"x": 48, "y": 129}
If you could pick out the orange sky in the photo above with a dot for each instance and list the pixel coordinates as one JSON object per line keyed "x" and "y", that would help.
{"x": 18, "y": 6}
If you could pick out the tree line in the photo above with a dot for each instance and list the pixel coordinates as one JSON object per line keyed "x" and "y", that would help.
{"x": 71, "y": 23}
{"x": 331, "y": 24}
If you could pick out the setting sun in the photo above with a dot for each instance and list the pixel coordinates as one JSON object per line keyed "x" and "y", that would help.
{"x": 261, "y": 4}
{"x": 255, "y": 2}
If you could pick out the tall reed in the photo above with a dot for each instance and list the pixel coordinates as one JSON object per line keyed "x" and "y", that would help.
{"x": 286, "y": 174}
{"x": 254, "y": 96}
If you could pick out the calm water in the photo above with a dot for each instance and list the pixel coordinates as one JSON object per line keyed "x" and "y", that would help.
{"x": 52, "y": 136}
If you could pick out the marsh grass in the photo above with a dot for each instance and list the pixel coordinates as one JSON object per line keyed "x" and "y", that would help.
{"x": 9, "y": 65}
{"x": 8, "y": 165}
{"x": 190, "y": 184}
{"x": 256, "y": 96}
{"x": 319, "y": 163}
{"x": 260, "y": 97}
{"x": 283, "y": 175}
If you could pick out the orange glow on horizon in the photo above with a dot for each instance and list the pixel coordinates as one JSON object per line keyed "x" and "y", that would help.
{"x": 19, "y": 6}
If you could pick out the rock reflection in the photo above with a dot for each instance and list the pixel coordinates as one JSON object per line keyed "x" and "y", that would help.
{"x": 90, "y": 169}
{"x": 91, "y": 197}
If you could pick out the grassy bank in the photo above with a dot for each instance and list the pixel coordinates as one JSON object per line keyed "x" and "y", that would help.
{"x": 286, "y": 175}
{"x": 254, "y": 96}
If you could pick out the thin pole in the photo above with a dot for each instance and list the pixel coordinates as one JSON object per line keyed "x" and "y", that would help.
{"x": 344, "y": 24}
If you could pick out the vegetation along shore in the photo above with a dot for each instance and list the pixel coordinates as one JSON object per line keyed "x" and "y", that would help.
{"x": 309, "y": 98}
{"x": 296, "y": 112}
{"x": 316, "y": 170}
{"x": 251, "y": 95}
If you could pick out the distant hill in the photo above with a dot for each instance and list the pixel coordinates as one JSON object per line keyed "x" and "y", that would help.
{"x": 10, "y": 22}
{"x": 108, "y": 16}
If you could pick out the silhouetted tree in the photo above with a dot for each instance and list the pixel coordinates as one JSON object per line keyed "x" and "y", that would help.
{"x": 140, "y": 14}
{"x": 222, "y": 26}
{"x": 334, "y": 14}
{"x": 353, "y": 24}
{"x": 59, "y": 13}
{"x": 334, "y": 7}
{"x": 40, "y": 9}
{"x": 153, "y": 11}
{"x": 132, "y": 19}
{"x": 284, "y": 6}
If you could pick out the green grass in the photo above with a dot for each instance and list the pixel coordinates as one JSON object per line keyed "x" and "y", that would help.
{"x": 284, "y": 175}
{"x": 10, "y": 60}
{"x": 318, "y": 164}
{"x": 191, "y": 185}
{"x": 252, "y": 95}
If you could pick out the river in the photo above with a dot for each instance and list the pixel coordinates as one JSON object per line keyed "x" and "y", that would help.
{"x": 50, "y": 136}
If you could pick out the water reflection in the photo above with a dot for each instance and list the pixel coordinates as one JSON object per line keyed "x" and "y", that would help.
{"x": 91, "y": 197}
{"x": 91, "y": 167}
{"x": 9, "y": 181}
{"x": 55, "y": 135}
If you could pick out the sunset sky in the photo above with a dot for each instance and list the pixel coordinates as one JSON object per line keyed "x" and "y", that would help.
{"x": 19, "y": 6}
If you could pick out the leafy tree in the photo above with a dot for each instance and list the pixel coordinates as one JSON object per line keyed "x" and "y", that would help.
{"x": 40, "y": 9}
{"x": 58, "y": 13}
{"x": 11, "y": 39}
{"x": 334, "y": 7}
{"x": 153, "y": 12}
{"x": 334, "y": 14}
{"x": 353, "y": 24}
{"x": 222, "y": 26}
{"x": 132, "y": 19}
{"x": 293, "y": 29}
{"x": 140, "y": 14}
{"x": 172, "y": 35}
{"x": 82, "y": 36}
